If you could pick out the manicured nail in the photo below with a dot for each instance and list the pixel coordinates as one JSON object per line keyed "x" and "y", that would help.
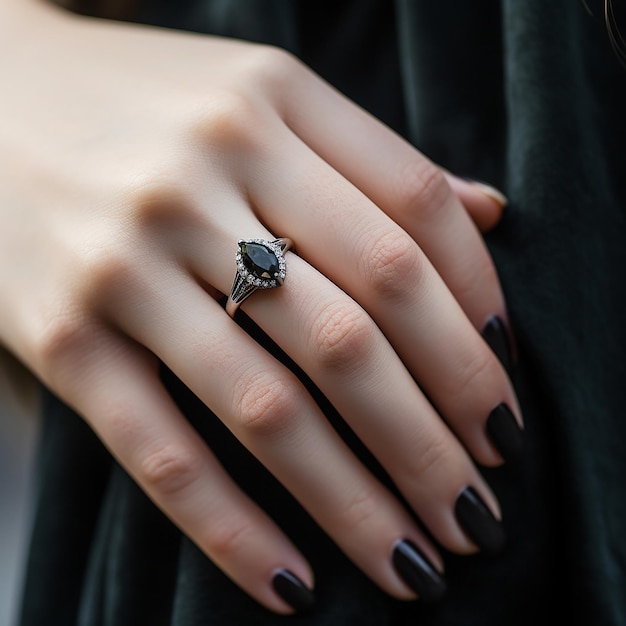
{"x": 491, "y": 192}
{"x": 292, "y": 590}
{"x": 497, "y": 338}
{"x": 418, "y": 572}
{"x": 505, "y": 433}
{"x": 478, "y": 522}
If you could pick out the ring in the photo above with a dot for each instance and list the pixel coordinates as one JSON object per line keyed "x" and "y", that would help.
{"x": 260, "y": 265}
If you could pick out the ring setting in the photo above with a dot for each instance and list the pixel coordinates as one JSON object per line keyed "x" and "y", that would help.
{"x": 260, "y": 265}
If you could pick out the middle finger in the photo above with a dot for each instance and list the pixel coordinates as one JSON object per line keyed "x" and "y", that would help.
{"x": 350, "y": 240}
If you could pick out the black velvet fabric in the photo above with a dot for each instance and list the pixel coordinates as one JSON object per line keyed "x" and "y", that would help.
{"x": 528, "y": 95}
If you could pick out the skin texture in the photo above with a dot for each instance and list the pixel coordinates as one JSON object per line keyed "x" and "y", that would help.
{"x": 139, "y": 158}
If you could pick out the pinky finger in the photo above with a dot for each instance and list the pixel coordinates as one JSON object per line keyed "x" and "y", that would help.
{"x": 122, "y": 398}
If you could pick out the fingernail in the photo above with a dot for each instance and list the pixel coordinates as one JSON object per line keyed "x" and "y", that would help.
{"x": 505, "y": 433}
{"x": 478, "y": 522}
{"x": 497, "y": 338}
{"x": 292, "y": 590}
{"x": 418, "y": 572}
{"x": 495, "y": 194}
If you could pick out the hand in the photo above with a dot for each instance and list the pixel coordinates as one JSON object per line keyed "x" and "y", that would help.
{"x": 140, "y": 157}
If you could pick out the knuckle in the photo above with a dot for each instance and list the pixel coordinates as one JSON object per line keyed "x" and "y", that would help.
{"x": 62, "y": 340}
{"x": 475, "y": 370}
{"x": 229, "y": 122}
{"x": 120, "y": 418}
{"x": 273, "y": 67}
{"x": 422, "y": 189}
{"x": 226, "y": 539}
{"x": 169, "y": 470}
{"x": 160, "y": 200}
{"x": 109, "y": 268}
{"x": 431, "y": 459}
{"x": 359, "y": 511}
{"x": 393, "y": 261}
{"x": 265, "y": 405}
{"x": 342, "y": 336}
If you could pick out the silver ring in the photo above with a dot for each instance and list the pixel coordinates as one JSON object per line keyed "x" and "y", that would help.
{"x": 260, "y": 265}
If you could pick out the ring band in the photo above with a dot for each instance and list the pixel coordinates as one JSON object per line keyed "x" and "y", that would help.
{"x": 260, "y": 265}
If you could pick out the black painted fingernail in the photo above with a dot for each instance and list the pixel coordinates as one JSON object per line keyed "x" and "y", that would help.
{"x": 478, "y": 522}
{"x": 418, "y": 572}
{"x": 497, "y": 338}
{"x": 505, "y": 433}
{"x": 292, "y": 590}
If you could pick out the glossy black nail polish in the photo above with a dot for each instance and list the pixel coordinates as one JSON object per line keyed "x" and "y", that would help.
{"x": 292, "y": 590}
{"x": 505, "y": 433}
{"x": 478, "y": 522}
{"x": 418, "y": 572}
{"x": 497, "y": 338}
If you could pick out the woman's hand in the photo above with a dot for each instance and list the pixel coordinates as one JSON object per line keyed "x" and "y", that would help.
{"x": 138, "y": 158}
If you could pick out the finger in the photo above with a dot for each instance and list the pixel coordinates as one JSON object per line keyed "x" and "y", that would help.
{"x": 348, "y": 358}
{"x": 346, "y": 355}
{"x": 271, "y": 413}
{"x": 404, "y": 184}
{"x": 343, "y": 234}
{"x": 484, "y": 203}
{"x": 117, "y": 389}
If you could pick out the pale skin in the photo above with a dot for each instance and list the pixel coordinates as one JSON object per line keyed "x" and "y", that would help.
{"x": 136, "y": 159}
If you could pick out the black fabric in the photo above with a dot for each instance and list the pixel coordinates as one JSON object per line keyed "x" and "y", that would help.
{"x": 528, "y": 95}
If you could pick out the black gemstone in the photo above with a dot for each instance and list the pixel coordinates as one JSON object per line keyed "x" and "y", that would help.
{"x": 260, "y": 261}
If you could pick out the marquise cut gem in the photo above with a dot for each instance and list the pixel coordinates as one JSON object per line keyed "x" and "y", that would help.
{"x": 260, "y": 261}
